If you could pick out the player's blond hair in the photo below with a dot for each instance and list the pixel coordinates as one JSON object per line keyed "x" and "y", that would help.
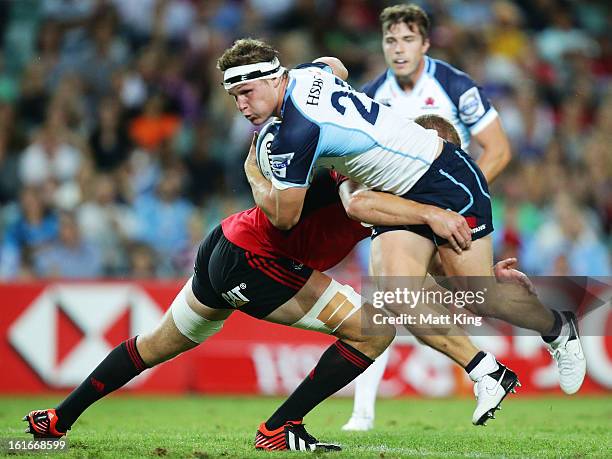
{"x": 411, "y": 15}
{"x": 445, "y": 129}
{"x": 246, "y": 51}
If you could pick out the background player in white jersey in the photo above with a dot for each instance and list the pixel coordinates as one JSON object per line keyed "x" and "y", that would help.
{"x": 324, "y": 122}
{"x": 414, "y": 85}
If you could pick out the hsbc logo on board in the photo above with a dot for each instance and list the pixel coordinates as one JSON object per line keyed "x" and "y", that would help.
{"x": 69, "y": 328}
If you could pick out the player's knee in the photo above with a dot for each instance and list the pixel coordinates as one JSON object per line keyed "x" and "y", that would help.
{"x": 493, "y": 306}
{"x": 338, "y": 311}
{"x": 378, "y": 343}
{"x": 379, "y": 337}
{"x": 370, "y": 338}
{"x": 370, "y": 345}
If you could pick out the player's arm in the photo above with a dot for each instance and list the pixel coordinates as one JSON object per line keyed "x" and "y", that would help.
{"x": 282, "y": 207}
{"x": 384, "y": 209}
{"x": 496, "y": 152}
{"x": 336, "y": 65}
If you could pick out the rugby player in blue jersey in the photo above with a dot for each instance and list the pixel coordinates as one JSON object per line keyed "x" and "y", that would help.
{"x": 323, "y": 122}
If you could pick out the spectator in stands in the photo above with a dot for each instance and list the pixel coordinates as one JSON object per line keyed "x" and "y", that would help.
{"x": 154, "y": 126}
{"x": 9, "y": 147}
{"x": 561, "y": 38}
{"x": 104, "y": 53}
{"x": 528, "y": 121}
{"x": 109, "y": 141}
{"x": 70, "y": 255}
{"x": 107, "y": 223}
{"x": 49, "y": 52}
{"x": 49, "y": 157}
{"x": 184, "y": 259}
{"x": 205, "y": 172}
{"x": 182, "y": 96}
{"x": 164, "y": 217}
{"x": 33, "y": 97}
{"x": 142, "y": 261}
{"x": 67, "y": 112}
{"x": 35, "y": 226}
{"x": 567, "y": 242}
{"x": 506, "y": 37}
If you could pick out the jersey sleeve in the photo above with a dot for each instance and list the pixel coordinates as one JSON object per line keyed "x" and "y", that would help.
{"x": 292, "y": 153}
{"x": 473, "y": 106}
{"x": 475, "y": 110}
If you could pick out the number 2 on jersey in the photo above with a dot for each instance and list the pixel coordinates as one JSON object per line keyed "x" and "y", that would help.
{"x": 369, "y": 115}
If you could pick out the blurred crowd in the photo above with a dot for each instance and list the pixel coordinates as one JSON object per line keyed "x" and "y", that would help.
{"x": 119, "y": 149}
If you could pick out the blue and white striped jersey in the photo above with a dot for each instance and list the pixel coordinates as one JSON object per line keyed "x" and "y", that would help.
{"x": 325, "y": 123}
{"x": 441, "y": 90}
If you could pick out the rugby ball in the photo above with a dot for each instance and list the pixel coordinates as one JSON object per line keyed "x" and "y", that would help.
{"x": 264, "y": 144}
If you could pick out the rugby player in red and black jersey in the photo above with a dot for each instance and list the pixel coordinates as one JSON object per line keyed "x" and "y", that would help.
{"x": 247, "y": 264}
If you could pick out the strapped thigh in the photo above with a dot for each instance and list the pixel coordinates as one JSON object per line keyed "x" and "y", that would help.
{"x": 337, "y": 303}
{"x": 191, "y": 324}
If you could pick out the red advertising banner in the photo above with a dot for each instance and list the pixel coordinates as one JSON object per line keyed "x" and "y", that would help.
{"x": 54, "y": 334}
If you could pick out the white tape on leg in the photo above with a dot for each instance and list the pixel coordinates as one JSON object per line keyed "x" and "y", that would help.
{"x": 189, "y": 323}
{"x": 337, "y": 303}
{"x": 353, "y": 298}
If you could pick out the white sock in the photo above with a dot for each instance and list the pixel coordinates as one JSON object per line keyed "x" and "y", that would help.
{"x": 487, "y": 365}
{"x": 366, "y": 387}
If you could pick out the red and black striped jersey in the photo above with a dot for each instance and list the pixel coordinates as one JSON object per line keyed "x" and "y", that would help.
{"x": 323, "y": 236}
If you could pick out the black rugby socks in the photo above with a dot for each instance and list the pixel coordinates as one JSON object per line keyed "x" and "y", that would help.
{"x": 119, "y": 367}
{"x": 338, "y": 366}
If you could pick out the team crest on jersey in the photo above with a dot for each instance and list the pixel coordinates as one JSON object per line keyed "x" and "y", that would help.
{"x": 471, "y": 107}
{"x": 279, "y": 163}
{"x": 429, "y": 104}
{"x": 235, "y": 297}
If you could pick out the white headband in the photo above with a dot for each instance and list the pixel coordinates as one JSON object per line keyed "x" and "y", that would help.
{"x": 251, "y": 72}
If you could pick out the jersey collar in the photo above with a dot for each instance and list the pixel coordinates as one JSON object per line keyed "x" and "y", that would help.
{"x": 288, "y": 91}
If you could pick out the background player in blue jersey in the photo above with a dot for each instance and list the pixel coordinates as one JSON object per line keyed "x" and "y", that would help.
{"x": 414, "y": 85}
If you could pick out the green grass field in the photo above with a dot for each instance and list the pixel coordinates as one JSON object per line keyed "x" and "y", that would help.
{"x": 204, "y": 427}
